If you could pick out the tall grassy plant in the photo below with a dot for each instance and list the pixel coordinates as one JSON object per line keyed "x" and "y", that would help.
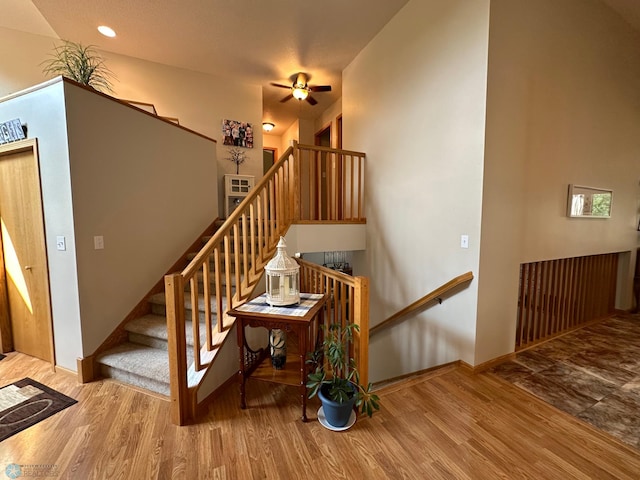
{"x": 80, "y": 63}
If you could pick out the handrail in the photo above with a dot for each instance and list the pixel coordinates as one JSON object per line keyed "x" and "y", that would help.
{"x": 239, "y": 250}
{"x": 225, "y": 272}
{"x": 235, "y": 215}
{"x": 434, "y": 295}
{"x": 348, "y": 303}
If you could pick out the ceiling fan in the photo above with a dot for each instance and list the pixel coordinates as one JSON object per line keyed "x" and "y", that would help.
{"x": 301, "y": 90}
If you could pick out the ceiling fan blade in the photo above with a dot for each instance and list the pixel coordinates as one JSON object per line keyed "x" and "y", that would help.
{"x": 287, "y": 98}
{"x": 320, "y": 88}
{"x": 311, "y": 100}
{"x": 280, "y": 85}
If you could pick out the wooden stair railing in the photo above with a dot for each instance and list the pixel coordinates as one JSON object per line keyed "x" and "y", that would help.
{"x": 236, "y": 255}
{"x": 348, "y": 303}
{"x": 331, "y": 184}
{"x": 418, "y": 304}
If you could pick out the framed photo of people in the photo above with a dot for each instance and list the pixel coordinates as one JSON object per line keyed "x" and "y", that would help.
{"x": 237, "y": 134}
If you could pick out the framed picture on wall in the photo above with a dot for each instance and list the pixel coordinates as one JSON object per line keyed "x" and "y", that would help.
{"x": 237, "y": 134}
{"x": 589, "y": 202}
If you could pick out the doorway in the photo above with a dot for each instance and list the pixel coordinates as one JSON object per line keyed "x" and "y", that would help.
{"x": 269, "y": 157}
{"x": 25, "y": 306}
{"x": 323, "y": 139}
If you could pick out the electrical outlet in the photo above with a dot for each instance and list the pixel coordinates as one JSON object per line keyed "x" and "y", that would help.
{"x": 464, "y": 241}
{"x": 61, "y": 243}
{"x": 98, "y": 242}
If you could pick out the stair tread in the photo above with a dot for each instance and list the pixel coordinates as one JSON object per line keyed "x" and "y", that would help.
{"x": 160, "y": 299}
{"x": 156, "y": 326}
{"x": 141, "y": 360}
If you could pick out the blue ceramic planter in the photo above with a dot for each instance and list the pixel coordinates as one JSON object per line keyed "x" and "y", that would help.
{"x": 336, "y": 414}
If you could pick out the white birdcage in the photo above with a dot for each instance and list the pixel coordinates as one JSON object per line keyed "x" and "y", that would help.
{"x": 283, "y": 278}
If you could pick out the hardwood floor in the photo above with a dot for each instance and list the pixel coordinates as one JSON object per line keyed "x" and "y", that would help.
{"x": 448, "y": 424}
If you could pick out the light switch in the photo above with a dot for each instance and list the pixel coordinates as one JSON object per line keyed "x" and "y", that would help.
{"x": 61, "y": 243}
{"x": 464, "y": 241}
{"x": 98, "y": 242}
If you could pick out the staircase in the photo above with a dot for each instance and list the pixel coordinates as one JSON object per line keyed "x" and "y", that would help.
{"x": 143, "y": 359}
{"x": 173, "y": 341}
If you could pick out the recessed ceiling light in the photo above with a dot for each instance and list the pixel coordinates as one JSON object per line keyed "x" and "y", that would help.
{"x": 106, "y": 31}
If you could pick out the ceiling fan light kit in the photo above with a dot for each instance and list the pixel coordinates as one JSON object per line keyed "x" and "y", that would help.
{"x": 300, "y": 93}
{"x": 301, "y": 90}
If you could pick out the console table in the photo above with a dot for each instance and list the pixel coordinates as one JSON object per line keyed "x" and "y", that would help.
{"x": 303, "y": 319}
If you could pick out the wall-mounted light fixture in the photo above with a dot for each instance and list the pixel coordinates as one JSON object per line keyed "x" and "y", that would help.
{"x": 268, "y": 126}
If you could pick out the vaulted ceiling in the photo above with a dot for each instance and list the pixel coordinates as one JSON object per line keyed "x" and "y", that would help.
{"x": 251, "y": 41}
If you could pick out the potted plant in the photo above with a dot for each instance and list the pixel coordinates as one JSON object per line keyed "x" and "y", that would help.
{"x": 336, "y": 380}
{"x": 80, "y": 63}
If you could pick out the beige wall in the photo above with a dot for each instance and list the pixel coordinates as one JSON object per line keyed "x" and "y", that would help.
{"x": 131, "y": 192}
{"x": 325, "y": 238}
{"x": 328, "y": 118}
{"x": 292, "y": 133}
{"x": 563, "y": 107}
{"x": 148, "y": 207}
{"x": 414, "y": 101}
{"x": 22, "y": 53}
{"x": 198, "y": 100}
{"x": 274, "y": 141}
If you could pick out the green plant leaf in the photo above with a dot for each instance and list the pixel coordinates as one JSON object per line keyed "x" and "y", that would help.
{"x": 79, "y": 63}
{"x": 341, "y": 370}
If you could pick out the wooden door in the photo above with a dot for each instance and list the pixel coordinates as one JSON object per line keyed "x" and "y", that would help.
{"x": 26, "y": 281}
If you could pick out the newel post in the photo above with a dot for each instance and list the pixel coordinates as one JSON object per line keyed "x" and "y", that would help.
{"x": 361, "y": 338}
{"x": 174, "y": 293}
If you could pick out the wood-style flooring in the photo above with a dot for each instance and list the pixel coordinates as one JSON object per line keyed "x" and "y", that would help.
{"x": 592, "y": 373}
{"x": 449, "y": 424}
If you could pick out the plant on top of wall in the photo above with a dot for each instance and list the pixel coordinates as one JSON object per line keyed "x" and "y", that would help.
{"x": 80, "y": 63}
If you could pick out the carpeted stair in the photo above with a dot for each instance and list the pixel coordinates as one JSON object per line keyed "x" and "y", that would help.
{"x": 143, "y": 360}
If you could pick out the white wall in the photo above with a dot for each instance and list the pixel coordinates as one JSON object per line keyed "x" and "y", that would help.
{"x": 43, "y": 111}
{"x": 414, "y": 101}
{"x": 563, "y": 107}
